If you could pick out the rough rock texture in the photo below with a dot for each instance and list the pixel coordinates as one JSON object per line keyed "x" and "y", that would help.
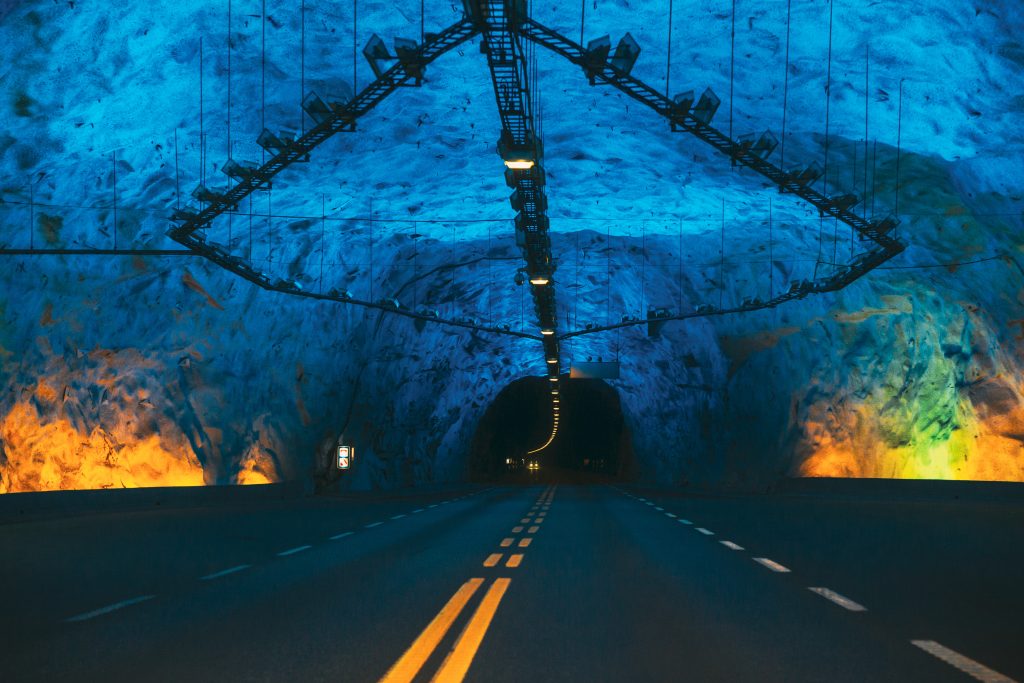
{"x": 128, "y": 371}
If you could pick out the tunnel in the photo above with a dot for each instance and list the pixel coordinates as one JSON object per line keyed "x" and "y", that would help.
{"x": 506, "y": 340}
{"x": 593, "y": 440}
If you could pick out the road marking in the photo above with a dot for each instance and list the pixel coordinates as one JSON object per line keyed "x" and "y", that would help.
{"x": 492, "y": 559}
{"x": 685, "y": 521}
{"x": 292, "y": 551}
{"x": 432, "y": 505}
{"x": 731, "y": 546}
{"x": 373, "y": 524}
{"x": 965, "y": 664}
{"x": 456, "y": 664}
{"x": 771, "y": 564}
{"x": 525, "y": 542}
{"x": 110, "y": 608}
{"x": 538, "y": 520}
{"x": 840, "y": 600}
{"x": 669, "y": 514}
{"x": 224, "y": 572}
{"x": 410, "y": 663}
{"x": 525, "y": 520}
{"x": 507, "y": 542}
{"x": 514, "y": 560}
{"x": 417, "y": 510}
{"x": 642, "y": 500}
{"x": 397, "y": 516}
{"x": 532, "y": 530}
{"x": 706, "y": 532}
{"x": 343, "y": 534}
{"x": 542, "y": 514}
{"x": 660, "y": 509}
{"x": 650, "y": 503}
{"x": 516, "y": 529}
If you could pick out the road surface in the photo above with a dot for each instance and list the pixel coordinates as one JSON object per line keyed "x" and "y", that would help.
{"x": 520, "y": 583}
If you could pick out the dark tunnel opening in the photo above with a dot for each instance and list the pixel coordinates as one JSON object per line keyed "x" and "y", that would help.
{"x": 593, "y": 442}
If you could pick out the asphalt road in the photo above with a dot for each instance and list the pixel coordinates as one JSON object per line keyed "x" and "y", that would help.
{"x": 520, "y": 583}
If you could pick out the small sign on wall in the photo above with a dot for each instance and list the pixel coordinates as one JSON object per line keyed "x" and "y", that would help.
{"x": 345, "y": 456}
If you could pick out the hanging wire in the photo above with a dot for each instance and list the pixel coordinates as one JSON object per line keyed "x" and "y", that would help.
{"x": 668, "y": 61}
{"x": 302, "y": 64}
{"x": 785, "y": 87}
{"x": 202, "y": 138}
{"x": 229, "y": 79}
{"x": 263, "y": 73}
{"x": 732, "y": 68}
{"x": 721, "y": 266}
{"x": 899, "y": 140}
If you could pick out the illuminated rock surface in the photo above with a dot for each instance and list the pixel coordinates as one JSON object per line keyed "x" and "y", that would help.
{"x": 166, "y": 370}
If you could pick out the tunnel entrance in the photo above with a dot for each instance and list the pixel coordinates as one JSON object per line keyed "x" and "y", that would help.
{"x": 593, "y": 441}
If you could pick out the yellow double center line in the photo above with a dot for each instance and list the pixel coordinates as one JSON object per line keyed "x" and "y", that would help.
{"x": 456, "y": 664}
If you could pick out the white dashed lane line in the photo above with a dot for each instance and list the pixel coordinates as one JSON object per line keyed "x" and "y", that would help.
{"x": 292, "y": 551}
{"x": 771, "y": 564}
{"x": 706, "y": 532}
{"x": 417, "y": 510}
{"x": 110, "y": 608}
{"x": 840, "y": 600}
{"x": 731, "y": 546}
{"x": 669, "y": 514}
{"x": 685, "y": 521}
{"x": 397, "y": 516}
{"x": 372, "y": 524}
{"x": 965, "y": 664}
{"x": 224, "y": 572}
{"x": 343, "y": 534}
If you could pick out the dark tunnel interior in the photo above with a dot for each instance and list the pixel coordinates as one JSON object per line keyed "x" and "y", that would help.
{"x": 593, "y": 441}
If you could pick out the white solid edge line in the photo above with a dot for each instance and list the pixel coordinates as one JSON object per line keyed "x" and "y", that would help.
{"x": 733, "y": 546}
{"x": 343, "y": 534}
{"x": 706, "y": 532}
{"x": 292, "y": 551}
{"x": 771, "y": 564}
{"x": 110, "y": 608}
{"x": 224, "y": 572}
{"x": 965, "y": 664}
{"x": 372, "y": 524}
{"x": 397, "y": 516}
{"x": 840, "y": 600}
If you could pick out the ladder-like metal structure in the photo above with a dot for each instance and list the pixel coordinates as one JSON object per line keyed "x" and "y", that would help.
{"x": 502, "y": 25}
{"x": 522, "y": 150}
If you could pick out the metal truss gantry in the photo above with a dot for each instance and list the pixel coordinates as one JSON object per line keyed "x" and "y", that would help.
{"x": 502, "y": 26}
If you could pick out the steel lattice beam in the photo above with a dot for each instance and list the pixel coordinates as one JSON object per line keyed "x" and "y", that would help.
{"x": 343, "y": 118}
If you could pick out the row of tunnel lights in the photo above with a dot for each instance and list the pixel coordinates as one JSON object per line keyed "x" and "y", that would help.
{"x": 522, "y": 162}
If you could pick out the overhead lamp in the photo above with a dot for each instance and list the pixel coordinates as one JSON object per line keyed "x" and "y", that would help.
{"x": 552, "y": 360}
{"x": 547, "y": 331}
{"x": 522, "y": 155}
{"x": 552, "y": 379}
{"x": 539, "y": 280}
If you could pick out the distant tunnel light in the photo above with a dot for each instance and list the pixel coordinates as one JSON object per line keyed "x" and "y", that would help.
{"x": 552, "y": 379}
{"x": 519, "y": 164}
{"x": 547, "y": 331}
{"x": 552, "y": 360}
{"x": 539, "y": 280}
